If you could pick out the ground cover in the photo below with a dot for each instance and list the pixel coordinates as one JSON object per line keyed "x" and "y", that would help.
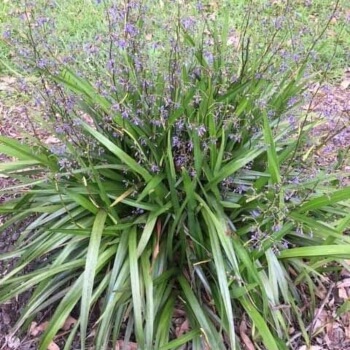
{"x": 79, "y": 23}
{"x": 233, "y": 37}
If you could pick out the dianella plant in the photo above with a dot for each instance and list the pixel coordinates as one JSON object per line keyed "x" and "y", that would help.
{"x": 179, "y": 183}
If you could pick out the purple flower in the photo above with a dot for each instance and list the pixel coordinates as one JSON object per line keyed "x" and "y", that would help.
{"x": 116, "y": 107}
{"x": 235, "y": 137}
{"x": 91, "y": 49}
{"x": 110, "y": 64}
{"x": 209, "y": 57}
{"x": 201, "y": 130}
{"x": 6, "y": 34}
{"x": 277, "y": 227}
{"x": 125, "y": 114}
{"x": 292, "y": 101}
{"x": 176, "y": 142}
{"x": 130, "y": 29}
{"x": 155, "y": 168}
{"x": 163, "y": 112}
{"x": 255, "y": 213}
{"x": 279, "y": 23}
{"x": 138, "y": 211}
{"x": 58, "y": 150}
{"x": 188, "y": 23}
{"x": 41, "y": 21}
{"x": 180, "y": 161}
{"x": 65, "y": 163}
{"x": 180, "y": 124}
{"x": 241, "y": 189}
{"x": 261, "y": 104}
{"x": 42, "y": 63}
{"x": 137, "y": 121}
{"x": 121, "y": 43}
{"x": 199, "y": 6}
{"x": 156, "y": 122}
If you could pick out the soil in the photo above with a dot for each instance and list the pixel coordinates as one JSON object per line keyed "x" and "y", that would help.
{"x": 331, "y": 104}
{"x": 332, "y": 138}
{"x": 14, "y": 124}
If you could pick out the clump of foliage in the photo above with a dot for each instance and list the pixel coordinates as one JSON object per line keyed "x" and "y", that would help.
{"x": 178, "y": 183}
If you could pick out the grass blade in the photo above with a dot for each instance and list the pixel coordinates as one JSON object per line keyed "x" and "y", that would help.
{"x": 335, "y": 251}
{"x": 214, "y": 339}
{"x": 137, "y": 295}
{"x": 331, "y": 198}
{"x": 89, "y": 274}
{"x": 125, "y": 158}
{"x": 268, "y": 339}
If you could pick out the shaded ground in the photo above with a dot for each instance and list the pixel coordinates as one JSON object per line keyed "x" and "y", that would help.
{"x": 13, "y": 123}
{"x": 332, "y": 103}
{"x": 329, "y": 329}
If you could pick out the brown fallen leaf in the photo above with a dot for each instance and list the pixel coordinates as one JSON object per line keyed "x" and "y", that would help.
{"x": 243, "y": 333}
{"x": 345, "y": 318}
{"x": 53, "y": 346}
{"x": 330, "y": 326}
{"x": 120, "y": 345}
{"x": 12, "y": 342}
{"x": 184, "y": 327}
{"x": 342, "y": 293}
{"x": 69, "y": 323}
{"x": 345, "y": 84}
{"x": 321, "y": 291}
{"x": 321, "y": 319}
{"x": 36, "y": 329}
{"x": 52, "y": 140}
{"x": 345, "y": 272}
{"x": 156, "y": 248}
{"x": 344, "y": 283}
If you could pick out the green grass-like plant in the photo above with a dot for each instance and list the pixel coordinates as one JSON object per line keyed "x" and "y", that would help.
{"x": 182, "y": 188}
